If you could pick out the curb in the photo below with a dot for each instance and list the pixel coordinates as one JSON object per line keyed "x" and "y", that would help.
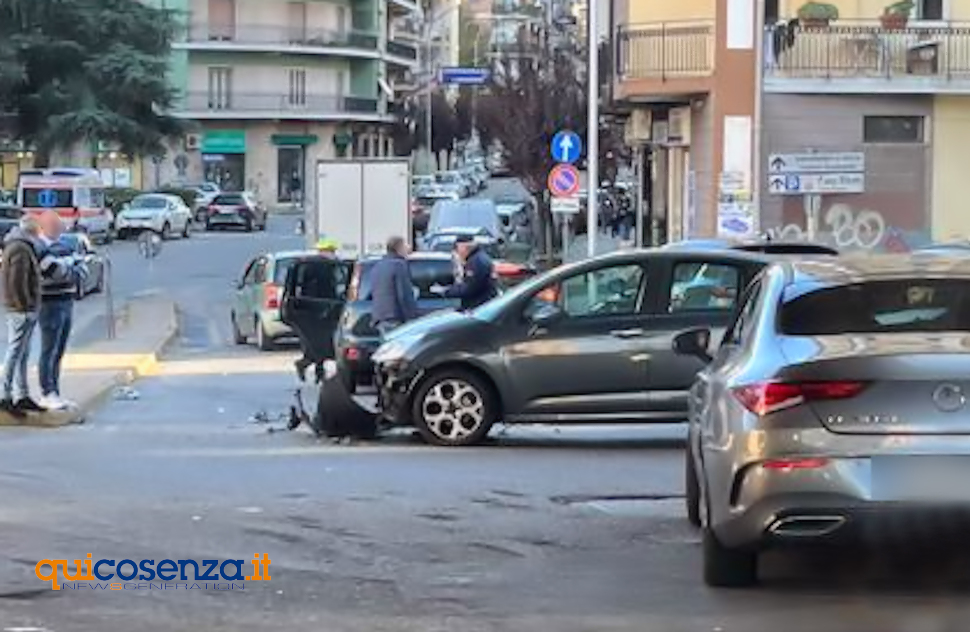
{"x": 145, "y": 365}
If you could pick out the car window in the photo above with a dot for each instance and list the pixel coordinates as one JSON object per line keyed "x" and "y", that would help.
{"x": 322, "y": 280}
{"x": 233, "y": 199}
{"x": 739, "y": 329}
{"x": 425, "y": 274}
{"x": 885, "y": 306}
{"x": 610, "y": 291}
{"x": 249, "y": 277}
{"x": 703, "y": 286}
{"x": 281, "y": 267}
{"x": 259, "y": 272}
{"x": 149, "y": 203}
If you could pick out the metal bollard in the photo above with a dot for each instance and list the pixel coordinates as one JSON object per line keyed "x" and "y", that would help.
{"x": 109, "y": 297}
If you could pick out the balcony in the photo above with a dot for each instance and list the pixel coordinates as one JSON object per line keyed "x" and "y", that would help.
{"x": 664, "y": 60}
{"x": 279, "y": 106}
{"x": 403, "y": 7}
{"x": 403, "y": 53}
{"x": 403, "y": 39}
{"x": 280, "y": 39}
{"x": 861, "y": 57}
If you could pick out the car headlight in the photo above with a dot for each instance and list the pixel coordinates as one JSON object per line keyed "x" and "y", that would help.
{"x": 393, "y": 351}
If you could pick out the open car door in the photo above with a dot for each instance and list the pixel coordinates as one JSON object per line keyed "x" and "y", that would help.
{"x": 313, "y": 301}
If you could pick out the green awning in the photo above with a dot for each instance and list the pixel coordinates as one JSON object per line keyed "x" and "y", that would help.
{"x": 294, "y": 140}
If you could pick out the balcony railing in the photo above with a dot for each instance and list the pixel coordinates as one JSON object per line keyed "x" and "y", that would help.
{"x": 283, "y": 36}
{"x": 863, "y": 49}
{"x": 665, "y": 50}
{"x": 276, "y": 103}
{"x": 407, "y": 51}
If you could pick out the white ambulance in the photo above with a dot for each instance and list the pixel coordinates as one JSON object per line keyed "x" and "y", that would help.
{"x": 77, "y": 195}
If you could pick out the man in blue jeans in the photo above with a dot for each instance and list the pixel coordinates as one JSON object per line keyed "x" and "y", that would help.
{"x": 21, "y": 297}
{"x": 58, "y": 276}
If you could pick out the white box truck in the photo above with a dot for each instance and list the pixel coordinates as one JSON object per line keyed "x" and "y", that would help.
{"x": 360, "y": 203}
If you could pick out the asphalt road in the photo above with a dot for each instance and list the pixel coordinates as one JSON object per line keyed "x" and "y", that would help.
{"x": 566, "y": 530}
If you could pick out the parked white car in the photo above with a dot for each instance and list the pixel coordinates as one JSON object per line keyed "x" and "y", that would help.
{"x": 166, "y": 215}
{"x": 454, "y": 181}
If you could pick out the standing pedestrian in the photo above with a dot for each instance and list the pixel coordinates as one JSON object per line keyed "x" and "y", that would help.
{"x": 392, "y": 288}
{"x": 477, "y": 285}
{"x": 59, "y": 274}
{"x": 320, "y": 287}
{"x": 21, "y": 295}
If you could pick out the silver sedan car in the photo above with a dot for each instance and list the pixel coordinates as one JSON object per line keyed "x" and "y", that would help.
{"x": 834, "y": 408}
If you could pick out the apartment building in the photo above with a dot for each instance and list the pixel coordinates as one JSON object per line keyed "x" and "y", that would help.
{"x": 275, "y": 86}
{"x": 725, "y": 95}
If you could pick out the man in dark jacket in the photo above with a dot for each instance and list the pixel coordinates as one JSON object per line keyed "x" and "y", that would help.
{"x": 392, "y": 289}
{"x": 59, "y": 276}
{"x": 477, "y": 285}
{"x": 21, "y": 295}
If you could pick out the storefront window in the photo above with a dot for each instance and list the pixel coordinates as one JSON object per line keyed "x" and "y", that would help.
{"x": 289, "y": 176}
{"x": 226, "y": 170}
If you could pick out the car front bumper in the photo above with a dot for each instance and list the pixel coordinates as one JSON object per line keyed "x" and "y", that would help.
{"x": 395, "y": 387}
{"x": 355, "y": 358}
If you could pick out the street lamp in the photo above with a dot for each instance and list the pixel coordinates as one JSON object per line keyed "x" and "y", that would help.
{"x": 593, "y": 125}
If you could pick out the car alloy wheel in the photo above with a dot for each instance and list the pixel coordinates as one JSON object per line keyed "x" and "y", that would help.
{"x": 166, "y": 230}
{"x": 454, "y": 408}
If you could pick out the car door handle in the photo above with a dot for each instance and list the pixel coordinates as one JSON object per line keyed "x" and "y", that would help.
{"x": 626, "y": 333}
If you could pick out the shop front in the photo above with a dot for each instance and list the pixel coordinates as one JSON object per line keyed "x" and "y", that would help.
{"x": 291, "y": 152}
{"x": 224, "y": 158}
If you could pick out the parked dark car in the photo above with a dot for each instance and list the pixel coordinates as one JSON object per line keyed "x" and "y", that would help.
{"x": 238, "y": 210}
{"x": 80, "y": 245}
{"x": 587, "y": 342}
{"x": 356, "y": 336}
{"x": 10, "y": 215}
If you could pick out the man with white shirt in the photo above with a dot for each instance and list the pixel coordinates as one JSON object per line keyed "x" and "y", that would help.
{"x": 59, "y": 273}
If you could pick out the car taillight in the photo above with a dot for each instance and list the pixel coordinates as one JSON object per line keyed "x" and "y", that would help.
{"x": 788, "y": 465}
{"x": 352, "y": 354}
{"x": 764, "y": 398}
{"x": 271, "y": 296}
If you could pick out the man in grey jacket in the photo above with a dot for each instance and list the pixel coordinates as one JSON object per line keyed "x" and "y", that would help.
{"x": 21, "y": 296}
{"x": 392, "y": 289}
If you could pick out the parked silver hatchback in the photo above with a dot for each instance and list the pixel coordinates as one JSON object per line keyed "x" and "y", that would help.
{"x": 835, "y": 407}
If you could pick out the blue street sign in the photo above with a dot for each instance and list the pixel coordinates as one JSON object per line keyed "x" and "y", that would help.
{"x": 47, "y": 198}
{"x": 566, "y": 147}
{"x": 464, "y": 76}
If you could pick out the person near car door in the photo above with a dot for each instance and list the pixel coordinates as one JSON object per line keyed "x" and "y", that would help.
{"x": 392, "y": 288}
{"x": 59, "y": 276}
{"x": 477, "y": 285}
{"x": 326, "y": 248}
{"x": 21, "y": 297}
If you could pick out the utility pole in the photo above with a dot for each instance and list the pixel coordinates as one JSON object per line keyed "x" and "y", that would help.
{"x": 428, "y": 19}
{"x": 593, "y": 127}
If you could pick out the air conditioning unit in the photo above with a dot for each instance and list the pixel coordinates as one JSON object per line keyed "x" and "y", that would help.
{"x": 678, "y": 126}
{"x": 193, "y": 142}
{"x": 638, "y": 127}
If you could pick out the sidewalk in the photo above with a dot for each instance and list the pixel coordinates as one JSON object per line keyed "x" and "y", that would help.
{"x": 91, "y": 372}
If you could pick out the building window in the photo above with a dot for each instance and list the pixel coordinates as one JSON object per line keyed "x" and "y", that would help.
{"x": 929, "y": 10}
{"x": 342, "y": 20}
{"x": 892, "y": 129}
{"x": 220, "y": 88}
{"x": 297, "y": 94}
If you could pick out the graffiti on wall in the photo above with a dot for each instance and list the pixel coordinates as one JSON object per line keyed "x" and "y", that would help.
{"x": 848, "y": 229}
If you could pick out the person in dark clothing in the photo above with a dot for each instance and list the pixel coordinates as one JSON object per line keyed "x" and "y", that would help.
{"x": 477, "y": 285}
{"x": 21, "y": 296}
{"x": 392, "y": 289}
{"x": 59, "y": 276}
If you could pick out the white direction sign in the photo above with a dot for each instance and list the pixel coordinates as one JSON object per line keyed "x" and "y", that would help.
{"x": 565, "y": 205}
{"x": 818, "y": 162}
{"x": 816, "y": 183}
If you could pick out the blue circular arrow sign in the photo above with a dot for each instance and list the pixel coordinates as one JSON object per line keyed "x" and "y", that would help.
{"x": 566, "y": 147}
{"x": 47, "y": 198}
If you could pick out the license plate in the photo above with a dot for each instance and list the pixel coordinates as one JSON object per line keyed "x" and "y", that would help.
{"x": 227, "y": 211}
{"x": 934, "y": 479}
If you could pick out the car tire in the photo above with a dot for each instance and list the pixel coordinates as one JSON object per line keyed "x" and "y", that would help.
{"x": 263, "y": 342}
{"x": 208, "y": 227}
{"x": 249, "y": 226}
{"x": 166, "y": 232}
{"x": 100, "y": 286}
{"x": 692, "y": 490}
{"x": 725, "y": 567}
{"x": 476, "y": 399}
{"x": 237, "y": 336}
{"x": 79, "y": 291}
{"x": 186, "y": 232}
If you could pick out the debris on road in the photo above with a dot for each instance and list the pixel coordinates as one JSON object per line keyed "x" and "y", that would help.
{"x": 126, "y": 394}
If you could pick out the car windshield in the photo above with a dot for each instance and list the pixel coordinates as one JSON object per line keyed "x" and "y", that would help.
{"x": 898, "y": 305}
{"x": 446, "y": 178}
{"x": 149, "y": 203}
{"x": 425, "y": 274}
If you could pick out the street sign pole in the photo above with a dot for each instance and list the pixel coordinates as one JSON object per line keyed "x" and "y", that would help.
{"x": 813, "y": 206}
{"x": 638, "y": 209}
{"x": 592, "y": 127}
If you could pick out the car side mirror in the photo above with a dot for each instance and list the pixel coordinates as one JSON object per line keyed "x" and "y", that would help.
{"x": 694, "y": 342}
{"x": 545, "y": 316}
